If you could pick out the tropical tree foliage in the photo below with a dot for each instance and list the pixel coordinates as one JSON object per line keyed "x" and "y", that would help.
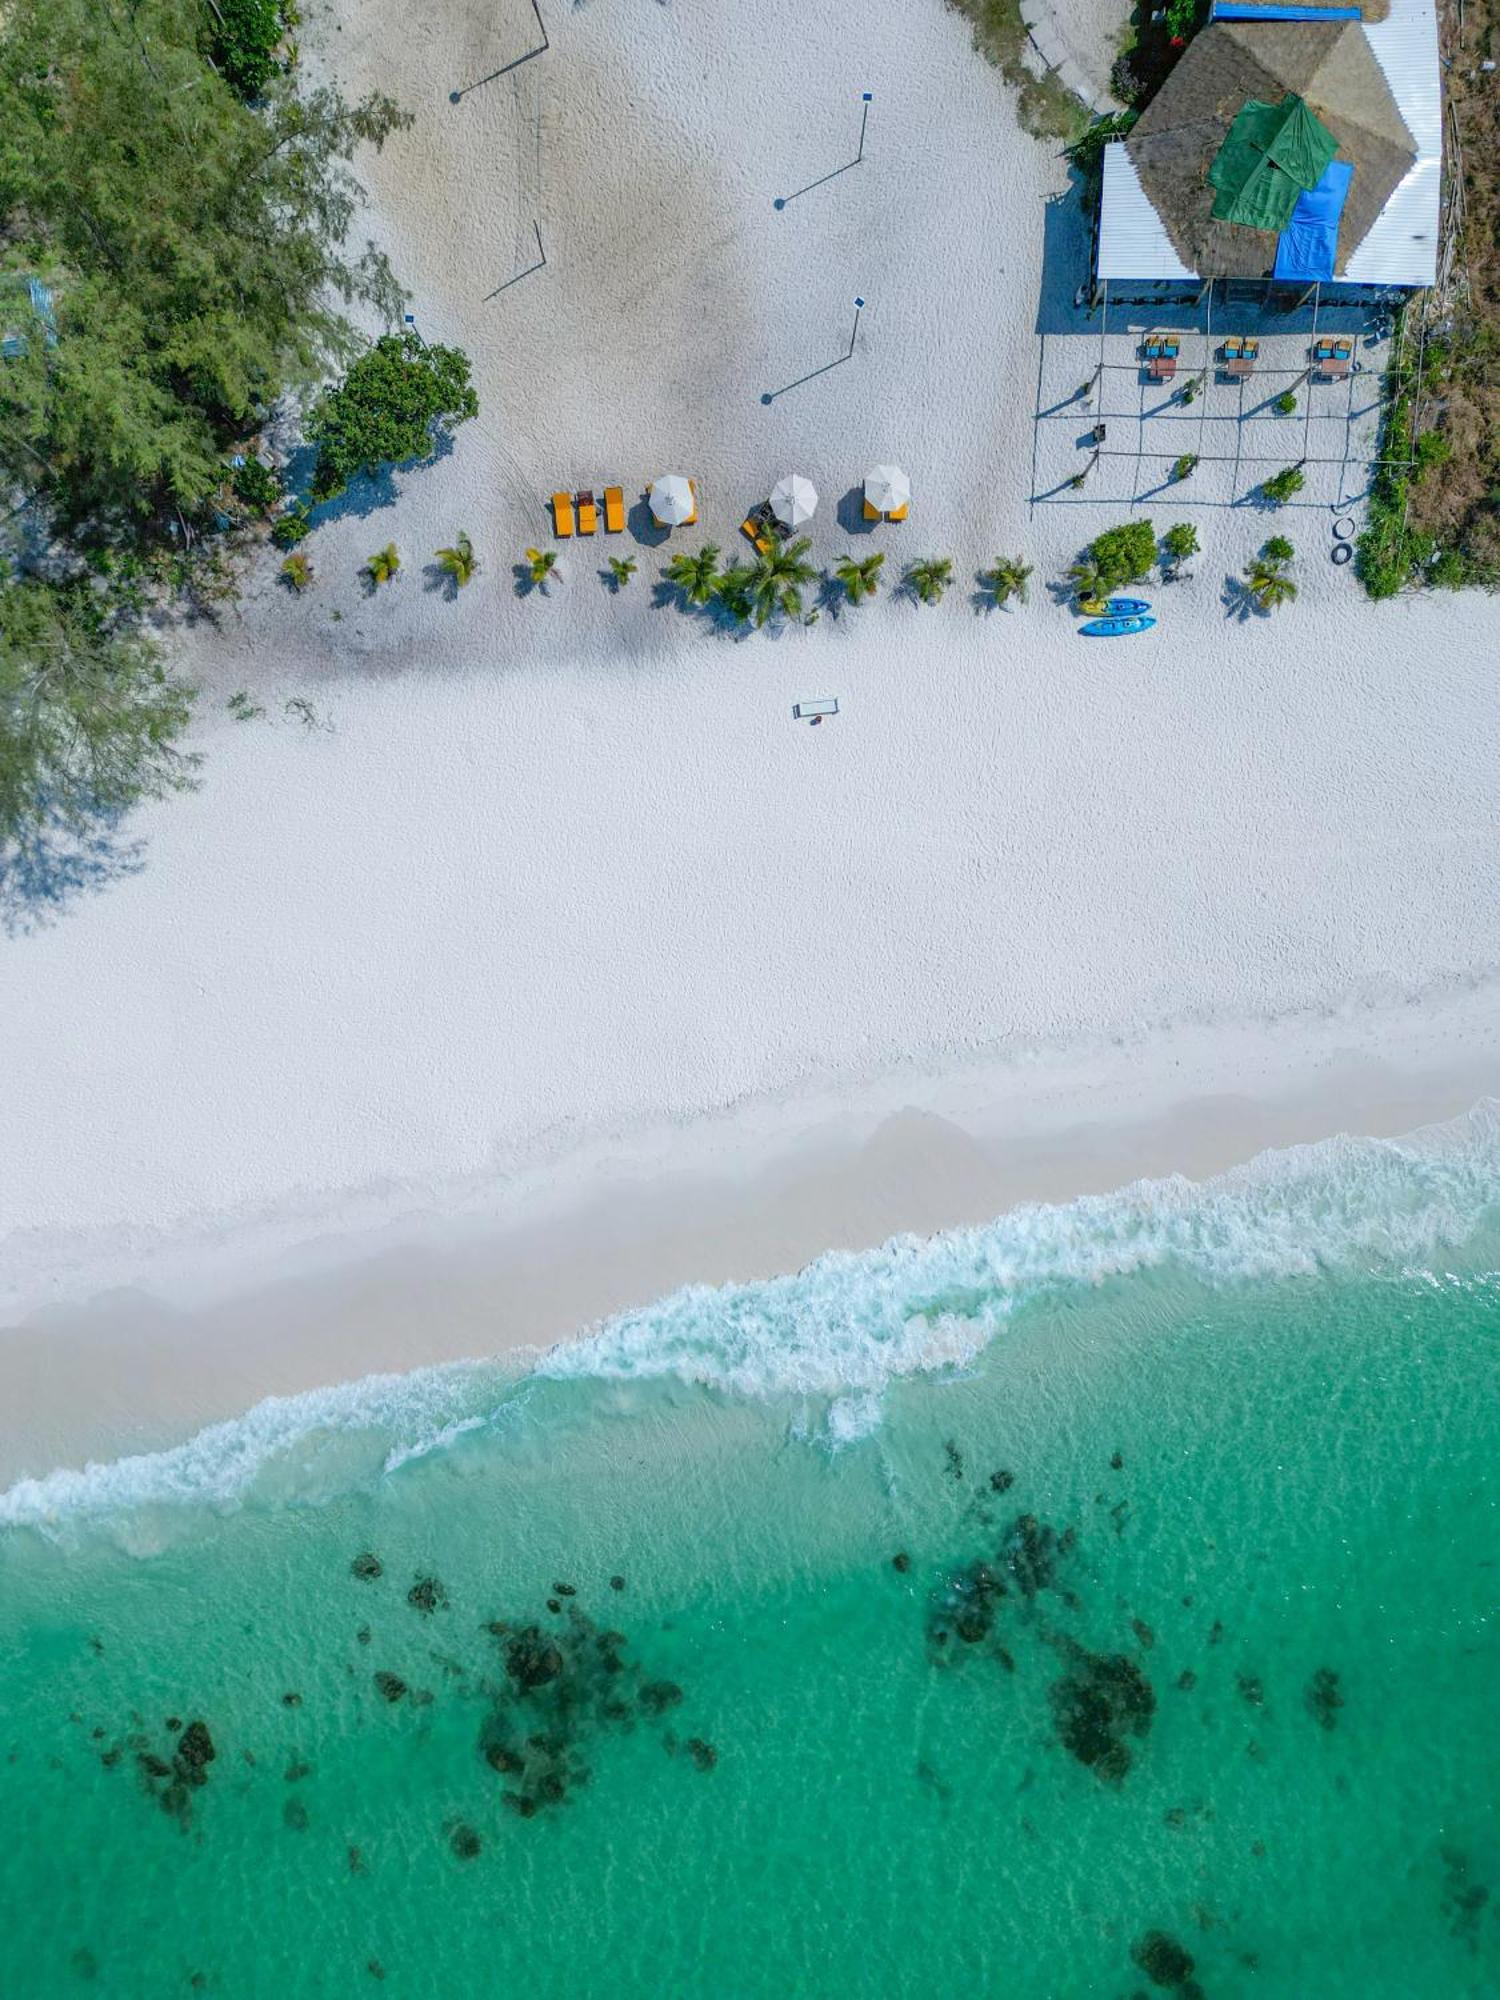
{"x": 1124, "y": 554}
{"x": 1086, "y": 581}
{"x": 193, "y": 247}
{"x": 929, "y": 578}
{"x": 1006, "y": 578}
{"x": 695, "y": 576}
{"x": 243, "y": 40}
{"x": 88, "y": 716}
{"x": 384, "y": 564}
{"x": 772, "y": 585}
{"x": 860, "y": 576}
{"x": 1179, "y": 545}
{"x": 395, "y": 403}
{"x": 1266, "y": 579}
{"x": 540, "y": 563}
{"x": 460, "y": 563}
{"x": 621, "y": 570}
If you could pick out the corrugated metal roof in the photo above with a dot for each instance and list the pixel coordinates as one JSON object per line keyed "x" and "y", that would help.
{"x": 1402, "y": 245}
{"x": 1133, "y": 241}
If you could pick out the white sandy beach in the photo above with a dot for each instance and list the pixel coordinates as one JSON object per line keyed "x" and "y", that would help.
{"x": 557, "y": 950}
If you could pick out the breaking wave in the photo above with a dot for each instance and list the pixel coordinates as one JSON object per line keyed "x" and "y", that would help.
{"x": 845, "y": 1327}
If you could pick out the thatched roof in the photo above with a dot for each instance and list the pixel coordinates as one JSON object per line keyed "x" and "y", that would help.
{"x": 1180, "y": 132}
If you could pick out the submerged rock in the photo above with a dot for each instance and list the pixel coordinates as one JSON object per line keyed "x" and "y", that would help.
{"x": 465, "y": 1842}
{"x": 1002, "y": 1481}
{"x": 1101, "y": 1700}
{"x": 427, "y": 1595}
{"x": 1143, "y": 1632}
{"x": 656, "y": 1697}
{"x": 367, "y": 1567}
{"x": 1030, "y": 1552}
{"x": 295, "y": 1815}
{"x": 1252, "y": 1689}
{"x": 617, "y": 1583}
{"x": 901, "y": 1561}
{"x": 1323, "y": 1698}
{"x": 391, "y": 1686}
{"x": 955, "y": 1459}
{"x": 1163, "y": 1960}
{"x": 703, "y": 1754}
{"x": 195, "y": 1752}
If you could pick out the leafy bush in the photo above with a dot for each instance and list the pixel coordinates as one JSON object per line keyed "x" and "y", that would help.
{"x": 1283, "y": 486}
{"x": 1278, "y": 550}
{"x": 292, "y": 528}
{"x": 392, "y": 406}
{"x": 1432, "y": 448}
{"x": 256, "y": 484}
{"x": 244, "y": 39}
{"x": 1087, "y": 153}
{"x": 1124, "y": 554}
{"x": 1285, "y": 404}
{"x": 1185, "y": 466}
{"x": 297, "y": 572}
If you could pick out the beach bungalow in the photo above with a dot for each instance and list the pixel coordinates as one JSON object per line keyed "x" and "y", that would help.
{"x": 1292, "y": 147}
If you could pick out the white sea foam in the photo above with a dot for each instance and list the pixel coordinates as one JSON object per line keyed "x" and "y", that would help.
{"x": 849, "y": 1324}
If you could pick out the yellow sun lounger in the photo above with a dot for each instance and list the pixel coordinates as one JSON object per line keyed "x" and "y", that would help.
{"x": 896, "y": 513}
{"x": 588, "y": 514}
{"x": 693, "y": 489}
{"x": 562, "y": 515}
{"x": 614, "y": 510}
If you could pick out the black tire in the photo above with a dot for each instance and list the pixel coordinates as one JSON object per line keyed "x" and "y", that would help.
{"x": 1343, "y": 528}
{"x": 1343, "y": 552}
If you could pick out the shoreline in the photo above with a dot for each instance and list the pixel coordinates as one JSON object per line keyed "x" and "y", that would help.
{"x": 143, "y": 1365}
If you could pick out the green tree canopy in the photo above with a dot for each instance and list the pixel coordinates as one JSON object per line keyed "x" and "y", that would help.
{"x": 88, "y": 715}
{"x": 194, "y": 247}
{"x": 1124, "y": 554}
{"x": 392, "y": 405}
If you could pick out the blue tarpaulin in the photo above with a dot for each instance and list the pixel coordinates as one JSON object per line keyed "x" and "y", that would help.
{"x": 1305, "y": 249}
{"x": 1227, "y": 10}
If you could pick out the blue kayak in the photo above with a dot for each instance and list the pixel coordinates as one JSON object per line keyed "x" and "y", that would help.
{"x": 1128, "y": 607}
{"x": 1115, "y": 628}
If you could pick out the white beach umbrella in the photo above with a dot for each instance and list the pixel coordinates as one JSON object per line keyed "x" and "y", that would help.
{"x": 794, "y": 499}
{"x": 887, "y": 488}
{"x": 671, "y": 500}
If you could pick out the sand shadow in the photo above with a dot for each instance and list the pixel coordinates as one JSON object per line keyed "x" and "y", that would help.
{"x": 643, "y": 527}
{"x": 850, "y": 513}
{"x": 1240, "y": 601}
{"x": 52, "y": 864}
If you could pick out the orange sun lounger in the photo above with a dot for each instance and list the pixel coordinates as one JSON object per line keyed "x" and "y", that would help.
{"x": 693, "y": 489}
{"x": 588, "y": 514}
{"x": 896, "y": 513}
{"x": 614, "y": 510}
{"x": 562, "y": 515}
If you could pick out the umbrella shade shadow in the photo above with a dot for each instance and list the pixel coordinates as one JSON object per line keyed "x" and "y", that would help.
{"x": 643, "y": 526}
{"x": 850, "y": 513}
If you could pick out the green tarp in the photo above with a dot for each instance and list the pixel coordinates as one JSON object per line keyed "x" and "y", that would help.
{"x": 1272, "y": 154}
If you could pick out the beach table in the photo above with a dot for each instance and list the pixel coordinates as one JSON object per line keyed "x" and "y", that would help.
{"x": 1333, "y": 358}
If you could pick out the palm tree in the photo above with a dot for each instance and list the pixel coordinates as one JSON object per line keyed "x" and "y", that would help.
{"x": 732, "y": 590}
{"x": 930, "y": 577}
{"x": 697, "y": 576}
{"x": 1179, "y": 543}
{"x": 776, "y": 580}
{"x": 1268, "y": 583}
{"x": 1278, "y": 550}
{"x": 297, "y": 572}
{"x": 461, "y": 562}
{"x": 621, "y": 570}
{"x": 1087, "y": 581}
{"x": 1005, "y": 579}
{"x": 542, "y": 562}
{"x": 861, "y": 579}
{"x": 383, "y": 565}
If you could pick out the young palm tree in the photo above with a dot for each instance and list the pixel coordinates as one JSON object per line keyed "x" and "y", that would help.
{"x": 1268, "y": 583}
{"x": 542, "y": 563}
{"x": 1179, "y": 544}
{"x": 621, "y": 570}
{"x": 384, "y": 564}
{"x": 861, "y": 579}
{"x": 1278, "y": 550}
{"x": 461, "y": 562}
{"x": 732, "y": 591}
{"x": 930, "y": 577}
{"x": 776, "y": 580}
{"x": 1087, "y": 582}
{"x": 696, "y": 576}
{"x": 297, "y": 572}
{"x": 1006, "y": 578}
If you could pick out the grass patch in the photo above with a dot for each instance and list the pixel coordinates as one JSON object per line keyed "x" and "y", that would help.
{"x": 1044, "y": 106}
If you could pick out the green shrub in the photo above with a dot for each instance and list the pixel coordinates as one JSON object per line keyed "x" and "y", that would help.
{"x": 243, "y": 41}
{"x": 297, "y": 571}
{"x": 1452, "y": 570}
{"x": 1432, "y": 448}
{"x": 256, "y": 484}
{"x": 291, "y": 528}
{"x": 1180, "y": 543}
{"x": 392, "y": 406}
{"x": 1285, "y": 404}
{"x": 1278, "y": 550}
{"x": 1186, "y": 466}
{"x": 1283, "y": 486}
{"x": 1124, "y": 554}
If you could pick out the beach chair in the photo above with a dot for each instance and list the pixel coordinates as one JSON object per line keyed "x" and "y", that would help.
{"x": 588, "y": 513}
{"x": 1160, "y": 350}
{"x": 562, "y": 515}
{"x": 899, "y": 513}
{"x": 1332, "y": 358}
{"x": 614, "y": 510}
{"x": 692, "y": 518}
{"x": 760, "y": 526}
{"x": 1237, "y": 357}
{"x": 872, "y": 513}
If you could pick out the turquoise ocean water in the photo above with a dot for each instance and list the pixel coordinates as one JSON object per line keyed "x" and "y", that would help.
{"x": 1099, "y": 1603}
